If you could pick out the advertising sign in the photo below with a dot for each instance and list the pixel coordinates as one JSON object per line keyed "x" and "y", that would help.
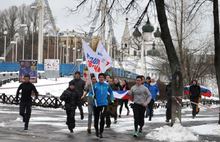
{"x": 28, "y": 67}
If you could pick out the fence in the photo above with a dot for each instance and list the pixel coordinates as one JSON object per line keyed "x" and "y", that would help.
{"x": 55, "y": 102}
{"x": 42, "y": 100}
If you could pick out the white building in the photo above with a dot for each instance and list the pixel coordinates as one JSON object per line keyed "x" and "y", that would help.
{"x": 131, "y": 47}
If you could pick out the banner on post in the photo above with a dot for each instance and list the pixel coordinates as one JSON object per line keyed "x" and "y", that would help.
{"x": 28, "y": 67}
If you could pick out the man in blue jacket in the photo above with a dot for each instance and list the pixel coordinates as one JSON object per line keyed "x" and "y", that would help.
{"x": 101, "y": 90}
{"x": 154, "y": 90}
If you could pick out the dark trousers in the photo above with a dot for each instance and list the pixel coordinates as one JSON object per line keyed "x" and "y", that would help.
{"x": 194, "y": 112}
{"x": 108, "y": 118}
{"x": 25, "y": 112}
{"x": 70, "y": 120}
{"x": 150, "y": 108}
{"x": 99, "y": 112}
{"x": 168, "y": 111}
{"x": 79, "y": 105}
{"x": 126, "y": 106}
{"x": 138, "y": 111}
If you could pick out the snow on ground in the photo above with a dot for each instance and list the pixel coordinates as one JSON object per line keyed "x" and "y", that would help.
{"x": 125, "y": 123}
{"x": 208, "y": 129}
{"x": 177, "y": 133}
{"x": 44, "y": 86}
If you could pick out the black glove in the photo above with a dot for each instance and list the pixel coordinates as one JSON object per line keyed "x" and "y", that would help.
{"x": 131, "y": 105}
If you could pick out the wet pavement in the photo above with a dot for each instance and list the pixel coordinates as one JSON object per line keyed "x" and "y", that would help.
{"x": 48, "y": 125}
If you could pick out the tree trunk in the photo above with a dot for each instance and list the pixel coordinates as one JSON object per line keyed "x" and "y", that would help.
{"x": 177, "y": 80}
{"x": 217, "y": 45}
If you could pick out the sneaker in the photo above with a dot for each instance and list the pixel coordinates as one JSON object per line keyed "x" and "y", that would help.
{"x": 167, "y": 120}
{"x": 119, "y": 116}
{"x": 115, "y": 121}
{"x": 108, "y": 126}
{"x": 70, "y": 129}
{"x": 140, "y": 130}
{"x": 89, "y": 131}
{"x": 135, "y": 134}
{"x": 100, "y": 135}
{"x": 97, "y": 134}
{"x": 25, "y": 128}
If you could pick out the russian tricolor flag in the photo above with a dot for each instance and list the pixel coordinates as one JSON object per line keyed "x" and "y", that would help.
{"x": 121, "y": 94}
{"x": 204, "y": 91}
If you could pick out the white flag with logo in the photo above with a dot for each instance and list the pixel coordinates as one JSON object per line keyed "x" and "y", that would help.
{"x": 106, "y": 61}
{"x": 92, "y": 59}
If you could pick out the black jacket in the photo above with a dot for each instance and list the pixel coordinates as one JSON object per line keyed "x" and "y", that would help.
{"x": 194, "y": 92}
{"x": 71, "y": 98}
{"x": 79, "y": 86}
{"x": 169, "y": 92}
{"x": 26, "y": 90}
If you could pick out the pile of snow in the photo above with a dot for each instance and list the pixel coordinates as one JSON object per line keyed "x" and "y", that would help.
{"x": 176, "y": 133}
{"x": 208, "y": 129}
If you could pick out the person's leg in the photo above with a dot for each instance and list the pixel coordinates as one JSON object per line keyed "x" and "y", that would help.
{"x": 121, "y": 106}
{"x": 168, "y": 111}
{"x": 81, "y": 110}
{"x": 150, "y": 107}
{"x": 141, "y": 117}
{"x": 136, "y": 116}
{"x": 102, "y": 122}
{"x": 193, "y": 109}
{"x": 126, "y": 106}
{"x": 96, "y": 119}
{"x": 22, "y": 111}
{"x": 27, "y": 115}
{"x": 90, "y": 111}
{"x": 108, "y": 118}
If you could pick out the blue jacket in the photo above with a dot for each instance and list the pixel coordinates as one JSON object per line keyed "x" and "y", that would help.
{"x": 154, "y": 90}
{"x": 102, "y": 90}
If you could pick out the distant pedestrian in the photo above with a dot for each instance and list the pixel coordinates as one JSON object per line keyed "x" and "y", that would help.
{"x": 79, "y": 86}
{"x": 169, "y": 101}
{"x": 27, "y": 90}
{"x": 125, "y": 87}
{"x": 116, "y": 87}
{"x": 154, "y": 90}
{"x": 101, "y": 90}
{"x": 71, "y": 99}
{"x": 195, "y": 95}
{"x": 90, "y": 101}
{"x": 141, "y": 97}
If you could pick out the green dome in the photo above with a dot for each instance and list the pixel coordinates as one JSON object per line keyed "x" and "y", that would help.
{"x": 157, "y": 33}
{"x": 148, "y": 27}
{"x": 136, "y": 33}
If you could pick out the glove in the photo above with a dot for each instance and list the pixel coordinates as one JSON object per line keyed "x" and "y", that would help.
{"x": 131, "y": 105}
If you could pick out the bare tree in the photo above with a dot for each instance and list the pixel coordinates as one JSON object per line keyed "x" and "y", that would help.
{"x": 217, "y": 44}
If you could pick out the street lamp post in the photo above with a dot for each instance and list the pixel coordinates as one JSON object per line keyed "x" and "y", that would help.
{"x": 13, "y": 54}
{"x": 16, "y": 47}
{"x": 67, "y": 46}
{"x": 5, "y": 33}
{"x": 32, "y": 42}
{"x": 75, "y": 48}
{"x": 48, "y": 46}
{"x": 23, "y": 27}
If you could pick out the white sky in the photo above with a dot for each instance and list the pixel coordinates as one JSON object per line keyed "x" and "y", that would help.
{"x": 80, "y": 21}
{"x": 64, "y": 20}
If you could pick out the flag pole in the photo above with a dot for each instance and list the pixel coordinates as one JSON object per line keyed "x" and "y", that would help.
{"x": 90, "y": 81}
{"x": 93, "y": 93}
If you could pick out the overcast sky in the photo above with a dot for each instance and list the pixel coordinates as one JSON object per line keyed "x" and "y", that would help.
{"x": 80, "y": 21}
{"x": 65, "y": 20}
